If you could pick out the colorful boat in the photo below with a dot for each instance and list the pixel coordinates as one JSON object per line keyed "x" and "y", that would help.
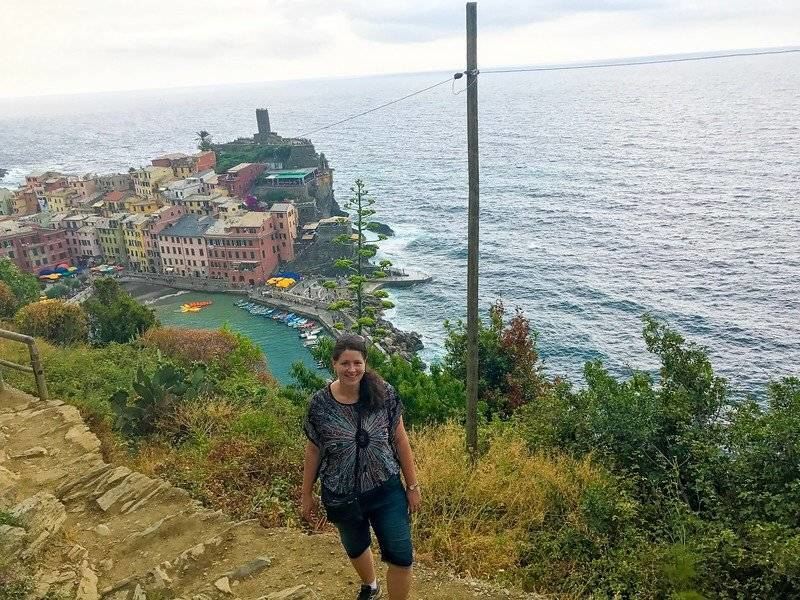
{"x": 195, "y": 306}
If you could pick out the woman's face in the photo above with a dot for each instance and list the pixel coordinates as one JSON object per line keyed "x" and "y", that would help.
{"x": 350, "y": 366}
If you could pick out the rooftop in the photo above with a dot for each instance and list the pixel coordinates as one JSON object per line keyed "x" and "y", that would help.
{"x": 116, "y": 196}
{"x": 181, "y": 184}
{"x": 172, "y": 156}
{"x": 189, "y": 226}
{"x": 238, "y": 167}
{"x": 244, "y": 219}
{"x": 290, "y": 174}
{"x": 136, "y": 219}
{"x": 281, "y": 207}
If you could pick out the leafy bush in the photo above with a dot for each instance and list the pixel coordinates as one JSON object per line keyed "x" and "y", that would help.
{"x": 8, "y": 301}
{"x": 510, "y": 372}
{"x": 53, "y": 320}
{"x": 58, "y": 290}
{"x": 114, "y": 316}
{"x": 24, "y": 286}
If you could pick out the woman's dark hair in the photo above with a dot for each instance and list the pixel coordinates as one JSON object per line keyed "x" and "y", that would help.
{"x": 372, "y": 390}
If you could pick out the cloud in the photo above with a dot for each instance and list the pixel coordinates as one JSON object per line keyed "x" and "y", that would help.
{"x": 114, "y": 44}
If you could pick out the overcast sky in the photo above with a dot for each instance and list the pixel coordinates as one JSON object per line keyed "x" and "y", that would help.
{"x": 95, "y": 45}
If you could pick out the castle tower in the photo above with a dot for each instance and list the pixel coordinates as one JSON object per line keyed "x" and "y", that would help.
{"x": 262, "y": 118}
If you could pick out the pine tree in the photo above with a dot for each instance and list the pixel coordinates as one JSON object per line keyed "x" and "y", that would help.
{"x": 360, "y": 269}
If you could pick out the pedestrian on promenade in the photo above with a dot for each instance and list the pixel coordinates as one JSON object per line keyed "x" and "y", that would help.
{"x": 358, "y": 446}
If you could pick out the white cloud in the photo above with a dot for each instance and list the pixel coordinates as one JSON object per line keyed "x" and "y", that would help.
{"x": 95, "y": 45}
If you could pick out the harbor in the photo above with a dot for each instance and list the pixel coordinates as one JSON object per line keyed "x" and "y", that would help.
{"x": 281, "y": 343}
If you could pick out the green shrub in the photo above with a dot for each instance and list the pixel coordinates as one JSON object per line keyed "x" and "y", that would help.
{"x": 54, "y": 320}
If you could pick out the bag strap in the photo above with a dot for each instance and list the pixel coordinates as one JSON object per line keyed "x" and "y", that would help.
{"x": 358, "y": 451}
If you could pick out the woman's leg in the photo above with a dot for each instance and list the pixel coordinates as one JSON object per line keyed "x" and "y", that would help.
{"x": 398, "y": 582}
{"x": 365, "y": 566}
{"x": 356, "y": 541}
{"x": 393, "y": 529}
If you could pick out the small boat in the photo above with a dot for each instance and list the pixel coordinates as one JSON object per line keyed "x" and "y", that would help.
{"x": 195, "y": 306}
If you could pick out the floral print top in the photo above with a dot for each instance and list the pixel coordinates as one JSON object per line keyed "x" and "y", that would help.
{"x": 333, "y": 426}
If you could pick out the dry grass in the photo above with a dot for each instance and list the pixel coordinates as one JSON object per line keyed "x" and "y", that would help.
{"x": 481, "y": 519}
{"x": 190, "y": 345}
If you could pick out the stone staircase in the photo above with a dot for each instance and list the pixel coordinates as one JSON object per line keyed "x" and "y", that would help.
{"x": 93, "y": 530}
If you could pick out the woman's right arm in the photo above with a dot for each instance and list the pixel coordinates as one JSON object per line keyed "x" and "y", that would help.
{"x": 310, "y": 466}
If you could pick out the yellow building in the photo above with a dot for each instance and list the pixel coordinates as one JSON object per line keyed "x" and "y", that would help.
{"x": 141, "y": 206}
{"x": 112, "y": 239}
{"x": 146, "y": 181}
{"x": 133, "y": 234}
{"x": 61, "y": 200}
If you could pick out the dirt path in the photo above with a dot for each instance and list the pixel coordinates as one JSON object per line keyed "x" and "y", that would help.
{"x": 96, "y": 530}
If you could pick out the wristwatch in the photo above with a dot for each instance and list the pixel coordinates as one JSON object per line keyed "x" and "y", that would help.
{"x": 412, "y": 487}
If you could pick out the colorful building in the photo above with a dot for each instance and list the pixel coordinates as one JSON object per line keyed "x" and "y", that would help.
{"x": 31, "y": 247}
{"x": 156, "y": 223}
{"x": 25, "y": 202}
{"x": 147, "y": 181}
{"x": 237, "y": 180}
{"x": 61, "y": 200}
{"x": 112, "y": 238}
{"x": 286, "y": 221}
{"x": 114, "y": 202}
{"x": 141, "y": 206}
{"x": 201, "y": 204}
{"x": 82, "y": 240}
{"x": 134, "y": 237}
{"x": 183, "y": 248}
{"x": 114, "y": 182}
{"x": 84, "y": 185}
{"x": 184, "y": 165}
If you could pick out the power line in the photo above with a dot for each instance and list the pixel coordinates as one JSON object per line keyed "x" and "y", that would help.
{"x": 642, "y": 62}
{"x": 371, "y": 110}
{"x": 557, "y": 68}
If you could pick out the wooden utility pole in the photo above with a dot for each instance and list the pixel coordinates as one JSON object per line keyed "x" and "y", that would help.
{"x": 472, "y": 231}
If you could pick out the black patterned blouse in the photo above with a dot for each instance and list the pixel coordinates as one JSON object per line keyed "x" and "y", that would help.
{"x": 332, "y": 426}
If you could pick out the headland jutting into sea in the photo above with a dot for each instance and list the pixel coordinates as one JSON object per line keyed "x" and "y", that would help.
{"x": 254, "y": 217}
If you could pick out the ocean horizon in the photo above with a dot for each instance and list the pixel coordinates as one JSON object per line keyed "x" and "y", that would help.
{"x": 606, "y": 194}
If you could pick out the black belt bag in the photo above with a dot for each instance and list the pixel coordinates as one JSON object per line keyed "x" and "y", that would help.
{"x": 347, "y": 509}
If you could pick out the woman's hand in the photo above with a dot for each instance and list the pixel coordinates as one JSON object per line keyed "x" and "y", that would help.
{"x": 308, "y": 503}
{"x": 414, "y": 500}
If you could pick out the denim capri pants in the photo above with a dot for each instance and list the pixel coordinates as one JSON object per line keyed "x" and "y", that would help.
{"x": 386, "y": 510}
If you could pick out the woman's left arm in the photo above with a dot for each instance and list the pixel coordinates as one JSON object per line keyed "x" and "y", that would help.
{"x": 406, "y": 457}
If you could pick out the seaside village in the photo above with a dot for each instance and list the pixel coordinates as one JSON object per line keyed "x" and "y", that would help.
{"x": 181, "y": 215}
{"x": 207, "y": 220}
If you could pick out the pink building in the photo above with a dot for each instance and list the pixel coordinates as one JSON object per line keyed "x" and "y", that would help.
{"x": 237, "y": 180}
{"x": 184, "y": 165}
{"x": 84, "y": 185}
{"x": 243, "y": 248}
{"x": 82, "y": 240}
{"x": 285, "y": 218}
{"x": 183, "y": 248}
{"x": 158, "y": 221}
{"x": 31, "y": 247}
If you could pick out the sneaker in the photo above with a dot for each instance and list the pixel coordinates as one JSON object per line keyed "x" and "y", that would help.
{"x": 367, "y": 593}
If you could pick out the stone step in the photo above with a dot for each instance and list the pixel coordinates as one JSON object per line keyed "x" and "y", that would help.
{"x": 165, "y": 570}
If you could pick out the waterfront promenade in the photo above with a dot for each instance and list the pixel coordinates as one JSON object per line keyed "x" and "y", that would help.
{"x": 309, "y": 298}
{"x": 308, "y": 307}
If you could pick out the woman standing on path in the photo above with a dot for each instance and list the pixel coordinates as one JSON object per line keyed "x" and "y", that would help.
{"x": 357, "y": 446}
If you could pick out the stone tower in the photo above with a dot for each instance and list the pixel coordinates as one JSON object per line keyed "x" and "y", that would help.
{"x": 262, "y": 118}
